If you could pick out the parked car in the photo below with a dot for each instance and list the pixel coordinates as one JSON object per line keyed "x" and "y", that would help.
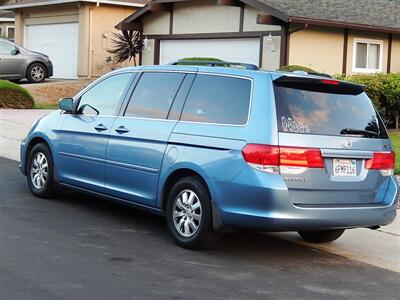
{"x": 18, "y": 63}
{"x": 215, "y": 149}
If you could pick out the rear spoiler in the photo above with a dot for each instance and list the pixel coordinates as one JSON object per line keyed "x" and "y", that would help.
{"x": 323, "y": 85}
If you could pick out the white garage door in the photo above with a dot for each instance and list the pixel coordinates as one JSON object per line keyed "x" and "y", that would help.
{"x": 59, "y": 42}
{"x": 233, "y": 50}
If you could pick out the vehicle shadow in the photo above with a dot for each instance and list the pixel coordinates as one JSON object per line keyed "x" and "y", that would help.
{"x": 250, "y": 245}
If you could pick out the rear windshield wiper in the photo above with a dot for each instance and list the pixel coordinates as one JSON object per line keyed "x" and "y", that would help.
{"x": 366, "y": 133}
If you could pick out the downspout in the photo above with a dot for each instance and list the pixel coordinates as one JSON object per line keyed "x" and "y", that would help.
{"x": 90, "y": 40}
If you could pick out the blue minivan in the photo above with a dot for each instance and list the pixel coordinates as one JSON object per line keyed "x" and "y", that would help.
{"x": 216, "y": 148}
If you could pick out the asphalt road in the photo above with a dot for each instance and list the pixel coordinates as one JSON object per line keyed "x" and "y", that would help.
{"x": 80, "y": 247}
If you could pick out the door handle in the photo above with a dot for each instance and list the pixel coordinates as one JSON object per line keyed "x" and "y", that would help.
{"x": 101, "y": 127}
{"x": 122, "y": 129}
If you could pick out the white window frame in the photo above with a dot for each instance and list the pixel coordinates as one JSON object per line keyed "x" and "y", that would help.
{"x": 367, "y": 41}
{"x": 8, "y": 27}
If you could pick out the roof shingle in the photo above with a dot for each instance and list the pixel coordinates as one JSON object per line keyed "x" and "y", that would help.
{"x": 381, "y": 13}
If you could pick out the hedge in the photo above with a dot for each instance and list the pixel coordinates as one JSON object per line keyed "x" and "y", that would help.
{"x": 384, "y": 91}
{"x": 14, "y": 96}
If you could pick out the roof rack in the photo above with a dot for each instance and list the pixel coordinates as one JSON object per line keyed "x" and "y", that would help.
{"x": 215, "y": 64}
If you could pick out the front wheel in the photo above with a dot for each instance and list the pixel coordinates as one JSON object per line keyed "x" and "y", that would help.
{"x": 36, "y": 73}
{"x": 40, "y": 173}
{"x": 189, "y": 214}
{"x": 320, "y": 237}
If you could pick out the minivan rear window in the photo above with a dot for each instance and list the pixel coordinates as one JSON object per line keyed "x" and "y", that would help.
{"x": 322, "y": 113}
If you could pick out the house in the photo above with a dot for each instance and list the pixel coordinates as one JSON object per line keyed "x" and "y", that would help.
{"x": 74, "y": 34}
{"x": 330, "y": 36}
{"x": 7, "y": 24}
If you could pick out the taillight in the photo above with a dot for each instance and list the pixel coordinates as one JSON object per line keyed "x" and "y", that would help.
{"x": 330, "y": 81}
{"x": 381, "y": 161}
{"x": 268, "y": 158}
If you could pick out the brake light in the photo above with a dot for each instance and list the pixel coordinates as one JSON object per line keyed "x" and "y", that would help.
{"x": 268, "y": 158}
{"x": 330, "y": 81}
{"x": 381, "y": 161}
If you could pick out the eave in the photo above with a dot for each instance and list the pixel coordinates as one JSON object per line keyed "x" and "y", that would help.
{"x": 53, "y": 2}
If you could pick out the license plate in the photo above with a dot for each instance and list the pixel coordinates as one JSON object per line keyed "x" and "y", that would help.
{"x": 344, "y": 167}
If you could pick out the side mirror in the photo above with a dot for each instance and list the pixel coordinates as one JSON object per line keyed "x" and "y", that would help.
{"x": 15, "y": 51}
{"x": 66, "y": 104}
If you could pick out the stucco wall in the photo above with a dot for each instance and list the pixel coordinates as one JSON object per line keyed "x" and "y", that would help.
{"x": 395, "y": 67}
{"x": 3, "y": 28}
{"x": 104, "y": 19}
{"x": 318, "y": 48}
{"x": 205, "y": 17}
{"x": 43, "y": 15}
{"x": 366, "y": 35}
{"x": 250, "y": 21}
{"x": 156, "y": 23}
{"x": 271, "y": 55}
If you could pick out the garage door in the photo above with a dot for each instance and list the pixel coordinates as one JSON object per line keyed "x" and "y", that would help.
{"x": 59, "y": 42}
{"x": 233, "y": 50}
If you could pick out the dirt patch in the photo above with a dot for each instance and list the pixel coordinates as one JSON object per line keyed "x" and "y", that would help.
{"x": 10, "y": 98}
{"x": 51, "y": 92}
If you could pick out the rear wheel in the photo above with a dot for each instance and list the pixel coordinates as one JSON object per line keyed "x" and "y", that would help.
{"x": 36, "y": 73}
{"x": 189, "y": 214}
{"x": 319, "y": 237}
{"x": 40, "y": 174}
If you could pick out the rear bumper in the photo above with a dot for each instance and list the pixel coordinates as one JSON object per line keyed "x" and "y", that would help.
{"x": 257, "y": 207}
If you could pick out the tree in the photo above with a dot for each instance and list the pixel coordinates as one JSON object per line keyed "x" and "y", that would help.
{"x": 127, "y": 45}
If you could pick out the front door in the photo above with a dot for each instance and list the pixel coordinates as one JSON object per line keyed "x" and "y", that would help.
{"x": 138, "y": 139}
{"x": 85, "y": 134}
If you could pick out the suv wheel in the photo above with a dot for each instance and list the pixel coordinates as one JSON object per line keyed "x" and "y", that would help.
{"x": 40, "y": 173}
{"x": 319, "y": 237}
{"x": 189, "y": 214}
{"x": 36, "y": 73}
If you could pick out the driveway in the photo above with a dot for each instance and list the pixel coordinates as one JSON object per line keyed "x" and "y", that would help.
{"x": 80, "y": 247}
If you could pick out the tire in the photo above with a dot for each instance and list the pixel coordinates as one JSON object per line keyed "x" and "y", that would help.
{"x": 40, "y": 172}
{"x": 320, "y": 237}
{"x": 189, "y": 199}
{"x": 36, "y": 73}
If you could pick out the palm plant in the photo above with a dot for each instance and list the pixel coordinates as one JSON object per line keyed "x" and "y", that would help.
{"x": 127, "y": 45}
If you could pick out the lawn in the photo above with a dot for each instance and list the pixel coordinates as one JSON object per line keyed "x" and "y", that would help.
{"x": 395, "y": 137}
{"x": 14, "y": 96}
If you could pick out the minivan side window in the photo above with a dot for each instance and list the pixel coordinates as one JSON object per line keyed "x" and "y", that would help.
{"x": 154, "y": 95}
{"x": 105, "y": 97}
{"x": 6, "y": 48}
{"x": 218, "y": 99}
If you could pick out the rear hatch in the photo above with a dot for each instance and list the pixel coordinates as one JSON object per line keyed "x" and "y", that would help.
{"x": 334, "y": 148}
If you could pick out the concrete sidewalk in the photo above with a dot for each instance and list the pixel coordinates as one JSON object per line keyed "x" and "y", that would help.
{"x": 14, "y": 126}
{"x": 380, "y": 248}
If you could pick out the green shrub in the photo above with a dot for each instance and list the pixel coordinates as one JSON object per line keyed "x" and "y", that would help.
{"x": 384, "y": 91}
{"x": 14, "y": 96}
{"x": 292, "y": 68}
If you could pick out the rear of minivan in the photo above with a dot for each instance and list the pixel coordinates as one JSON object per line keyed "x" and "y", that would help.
{"x": 333, "y": 156}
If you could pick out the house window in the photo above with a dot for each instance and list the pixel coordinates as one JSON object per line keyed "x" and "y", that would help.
{"x": 10, "y": 32}
{"x": 367, "y": 56}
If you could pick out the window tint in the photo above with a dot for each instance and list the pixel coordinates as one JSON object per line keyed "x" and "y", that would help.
{"x": 308, "y": 112}
{"x": 105, "y": 96}
{"x": 154, "y": 95}
{"x": 6, "y": 48}
{"x": 218, "y": 99}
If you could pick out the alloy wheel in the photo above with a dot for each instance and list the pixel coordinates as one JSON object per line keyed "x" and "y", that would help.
{"x": 39, "y": 171}
{"x": 187, "y": 213}
{"x": 37, "y": 73}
